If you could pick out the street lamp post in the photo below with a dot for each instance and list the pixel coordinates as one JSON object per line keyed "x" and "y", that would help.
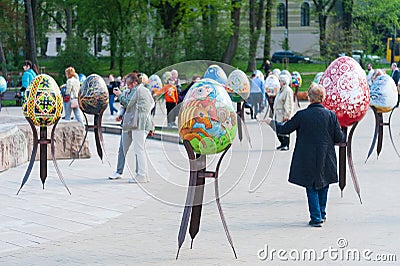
{"x": 286, "y": 26}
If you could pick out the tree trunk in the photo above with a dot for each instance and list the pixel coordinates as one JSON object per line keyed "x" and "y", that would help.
{"x": 31, "y": 32}
{"x": 113, "y": 47}
{"x": 268, "y": 26}
{"x": 323, "y": 8}
{"x": 347, "y": 6}
{"x": 3, "y": 60}
{"x": 256, "y": 18}
{"x": 322, "y": 36}
{"x": 68, "y": 16}
{"x": 234, "y": 39}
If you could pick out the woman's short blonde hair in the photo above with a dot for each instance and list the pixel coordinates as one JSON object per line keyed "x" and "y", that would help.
{"x": 316, "y": 93}
{"x": 70, "y": 72}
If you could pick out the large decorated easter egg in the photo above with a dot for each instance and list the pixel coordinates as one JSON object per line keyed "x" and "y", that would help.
{"x": 318, "y": 77}
{"x": 238, "y": 85}
{"x": 215, "y": 72}
{"x": 287, "y": 73}
{"x": 165, "y": 77}
{"x": 383, "y": 93}
{"x": 259, "y": 74}
{"x": 3, "y": 84}
{"x": 93, "y": 95}
{"x": 144, "y": 79}
{"x": 296, "y": 79}
{"x": 276, "y": 72}
{"x": 271, "y": 85}
{"x": 347, "y": 91}
{"x": 155, "y": 83}
{"x": 43, "y": 101}
{"x": 81, "y": 78}
{"x": 207, "y": 118}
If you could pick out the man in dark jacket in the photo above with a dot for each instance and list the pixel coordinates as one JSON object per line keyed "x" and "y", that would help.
{"x": 314, "y": 158}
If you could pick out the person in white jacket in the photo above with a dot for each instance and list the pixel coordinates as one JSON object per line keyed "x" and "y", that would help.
{"x": 283, "y": 108}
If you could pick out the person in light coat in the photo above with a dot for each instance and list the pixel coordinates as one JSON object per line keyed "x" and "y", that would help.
{"x": 283, "y": 108}
{"x": 141, "y": 97}
{"x": 73, "y": 86}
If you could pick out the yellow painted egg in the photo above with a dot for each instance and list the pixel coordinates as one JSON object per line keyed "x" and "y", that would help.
{"x": 43, "y": 101}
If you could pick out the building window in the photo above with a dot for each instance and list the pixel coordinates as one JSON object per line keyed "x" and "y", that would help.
{"x": 305, "y": 14}
{"x": 281, "y": 15}
{"x": 99, "y": 44}
{"x": 58, "y": 44}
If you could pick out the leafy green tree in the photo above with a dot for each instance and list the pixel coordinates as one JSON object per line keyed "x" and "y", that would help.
{"x": 76, "y": 54}
{"x": 373, "y": 22}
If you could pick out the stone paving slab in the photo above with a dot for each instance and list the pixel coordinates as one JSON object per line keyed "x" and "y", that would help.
{"x": 127, "y": 224}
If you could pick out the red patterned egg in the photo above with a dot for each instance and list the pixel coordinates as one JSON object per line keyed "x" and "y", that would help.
{"x": 347, "y": 91}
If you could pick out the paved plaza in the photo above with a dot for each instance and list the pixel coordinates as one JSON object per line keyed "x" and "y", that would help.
{"x": 106, "y": 222}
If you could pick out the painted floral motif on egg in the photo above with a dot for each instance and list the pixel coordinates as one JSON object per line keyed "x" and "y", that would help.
{"x": 347, "y": 91}
{"x": 207, "y": 118}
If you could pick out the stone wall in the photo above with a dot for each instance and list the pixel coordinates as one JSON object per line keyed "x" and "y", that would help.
{"x": 13, "y": 147}
{"x": 16, "y": 143}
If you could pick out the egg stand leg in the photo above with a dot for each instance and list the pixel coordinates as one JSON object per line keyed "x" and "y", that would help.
{"x": 52, "y": 147}
{"x": 194, "y": 198}
{"x": 390, "y": 133}
{"x": 342, "y": 162}
{"x": 98, "y": 134}
{"x": 371, "y": 148}
{"x": 43, "y": 141}
{"x": 87, "y": 126}
{"x": 350, "y": 161}
{"x": 200, "y": 167}
{"x": 33, "y": 154}
{"x": 240, "y": 113}
{"x": 189, "y": 197}
{"x": 295, "y": 96}
{"x": 221, "y": 214}
{"x": 343, "y": 148}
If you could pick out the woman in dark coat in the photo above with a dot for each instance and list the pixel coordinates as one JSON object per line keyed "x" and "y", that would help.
{"x": 314, "y": 158}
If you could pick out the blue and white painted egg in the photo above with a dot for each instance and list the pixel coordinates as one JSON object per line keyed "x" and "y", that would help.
{"x": 383, "y": 94}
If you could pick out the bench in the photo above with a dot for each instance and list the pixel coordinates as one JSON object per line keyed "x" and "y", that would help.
{"x": 10, "y": 95}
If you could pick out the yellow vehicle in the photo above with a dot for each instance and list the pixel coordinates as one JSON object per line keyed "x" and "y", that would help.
{"x": 396, "y": 50}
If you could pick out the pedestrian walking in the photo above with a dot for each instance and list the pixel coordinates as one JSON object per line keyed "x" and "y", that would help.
{"x": 313, "y": 163}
